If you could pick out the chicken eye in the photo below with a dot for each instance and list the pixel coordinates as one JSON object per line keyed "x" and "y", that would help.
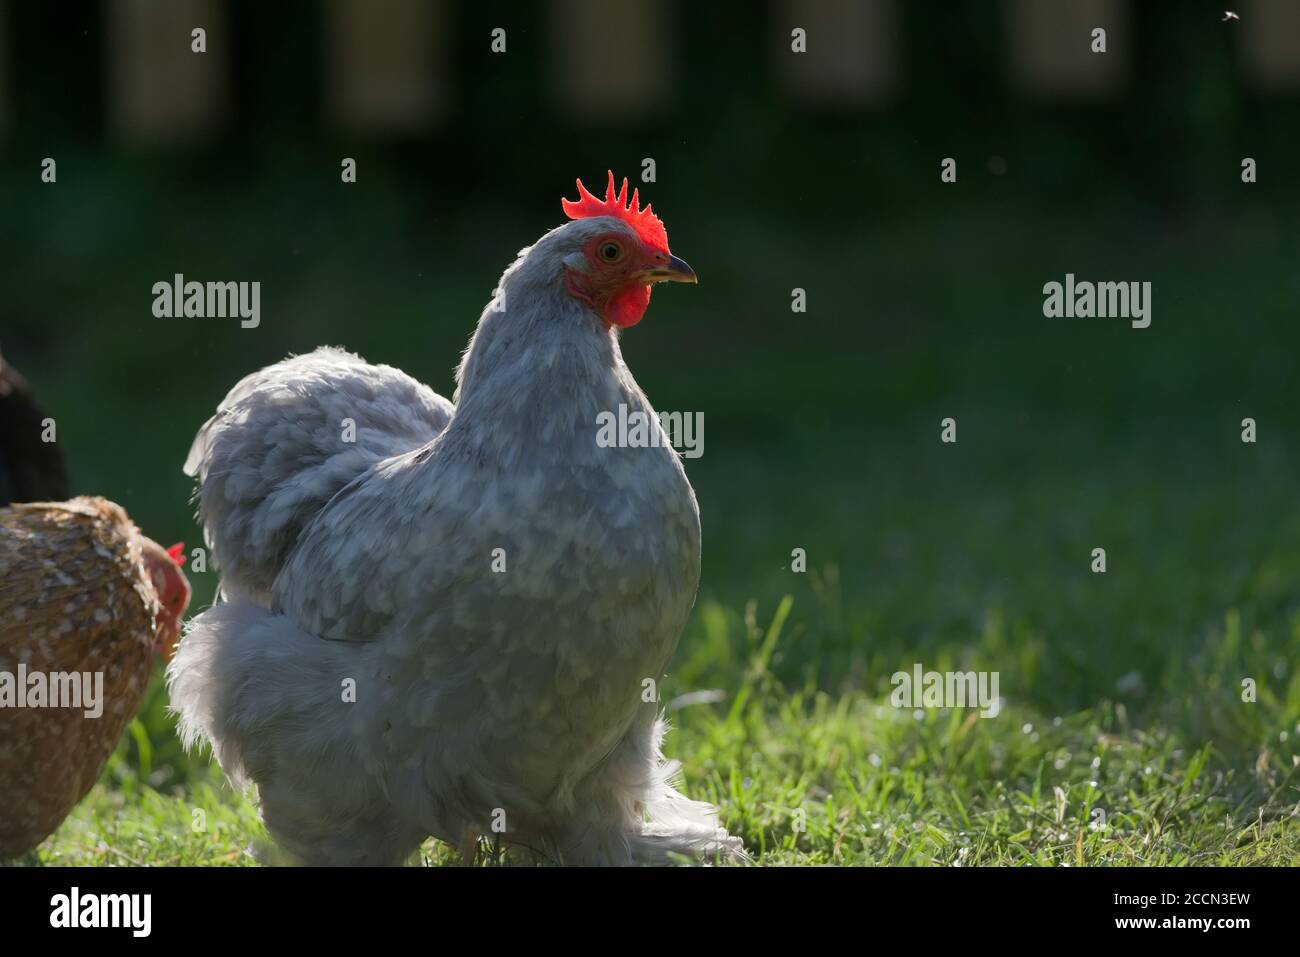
{"x": 611, "y": 252}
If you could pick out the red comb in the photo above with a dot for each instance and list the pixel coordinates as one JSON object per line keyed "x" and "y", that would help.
{"x": 177, "y": 553}
{"x": 646, "y": 223}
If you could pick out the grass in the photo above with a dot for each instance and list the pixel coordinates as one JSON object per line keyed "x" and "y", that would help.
{"x": 817, "y": 770}
{"x": 1123, "y": 691}
{"x": 808, "y": 777}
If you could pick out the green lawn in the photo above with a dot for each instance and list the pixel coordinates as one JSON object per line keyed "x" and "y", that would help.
{"x": 811, "y": 777}
{"x": 1123, "y": 690}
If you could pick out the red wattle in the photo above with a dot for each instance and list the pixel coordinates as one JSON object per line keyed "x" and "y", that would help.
{"x": 627, "y": 306}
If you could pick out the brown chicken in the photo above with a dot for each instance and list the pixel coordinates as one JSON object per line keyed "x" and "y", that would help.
{"x": 85, "y": 601}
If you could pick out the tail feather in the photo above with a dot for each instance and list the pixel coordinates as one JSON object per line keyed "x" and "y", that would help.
{"x": 285, "y": 440}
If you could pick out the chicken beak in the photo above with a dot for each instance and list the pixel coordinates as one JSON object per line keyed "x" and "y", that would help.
{"x": 674, "y": 270}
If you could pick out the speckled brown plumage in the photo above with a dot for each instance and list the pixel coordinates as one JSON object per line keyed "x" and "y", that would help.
{"x": 75, "y": 596}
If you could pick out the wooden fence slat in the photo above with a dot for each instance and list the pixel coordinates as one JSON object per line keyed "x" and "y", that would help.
{"x": 385, "y": 62}
{"x": 610, "y": 58}
{"x": 1270, "y": 36}
{"x": 1051, "y": 47}
{"x": 159, "y": 89}
{"x": 852, "y": 50}
{"x": 5, "y": 67}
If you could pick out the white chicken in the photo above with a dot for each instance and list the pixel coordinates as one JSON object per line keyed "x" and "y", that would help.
{"x": 448, "y": 625}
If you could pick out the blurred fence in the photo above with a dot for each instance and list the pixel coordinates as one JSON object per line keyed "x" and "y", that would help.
{"x": 386, "y": 73}
{"x": 4, "y": 69}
